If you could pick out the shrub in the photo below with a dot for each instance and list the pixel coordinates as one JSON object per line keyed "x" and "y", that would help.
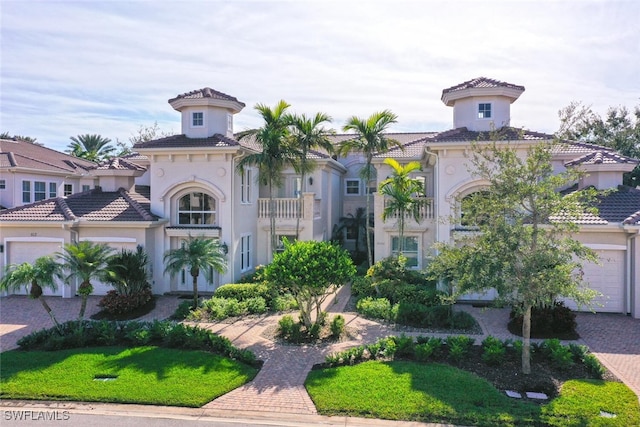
{"x": 284, "y": 303}
{"x": 256, "y": 305}
{"x": 554, "y": 320}
{"x": 117, "y": 303}
{"x": 244, "y": 291}
{"x": 361, "y": 287}
{"x": 461, "y": 320}
{"x": 289, "y": 329}
{"x": 429, "y": 349}
{"x": 337, "y": 326}
{"x": 183, "y": 310}
{"x": 560, "y": 356}
{"x": 374, "y": 308}
{"x": 222, "y": 308}
{"x": 493, "y": 351}
{"x": 404, "y": 346}
{"x": 128, "y": 272}
{"x": 458, "y": 346}
{"x": 593, "y": 365}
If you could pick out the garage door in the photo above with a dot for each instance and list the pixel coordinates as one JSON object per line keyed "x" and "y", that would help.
{"x": 19, "y": 252}
{"x": 608, "y": 279}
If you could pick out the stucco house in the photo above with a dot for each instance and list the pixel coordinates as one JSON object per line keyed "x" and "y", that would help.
{"x": 188, "y": 184}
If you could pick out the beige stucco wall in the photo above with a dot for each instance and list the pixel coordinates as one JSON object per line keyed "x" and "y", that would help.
{"x": 465, "y": 113}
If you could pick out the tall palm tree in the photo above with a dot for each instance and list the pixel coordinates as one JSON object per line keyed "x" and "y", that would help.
{"x": 401, "y": 190}
{"x": 86, "y": 261}
{"x": 308, "y": 133}
{"x": 275, "y": 154}
{"x": 90, "y": 147}
{"x": 357, "y": 223}
{"x": 42, "y": 273}
{"x": 198, "y": 255}
{"x": 370, "y": 139}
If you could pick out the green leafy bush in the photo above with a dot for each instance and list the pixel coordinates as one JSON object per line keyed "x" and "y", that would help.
{"x": 374, "y": 308}
{"x": 182, "y": 311}
{"x": 404, "y": 346}
{"x": 546, "y": 322}
{"x": 493, "y": 351}
{"x": 284, "y": 303}
{"x": 362, "y": 287}
{"x": 593, "y": 365}
{"x": 289, "y": 329}
{"x": 337, "y": 326}
{"x": 560, "y": 356}
{"x": 244, "y": 291}
{"x": 430, "y": 349}
{"x": 116, "y": 303}
{"x": 458, "y": 347}
{"x": 256, "y": 305}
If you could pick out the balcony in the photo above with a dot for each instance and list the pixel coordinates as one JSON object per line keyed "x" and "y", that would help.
{"x": 425, "y": 209}
{"x": 287, "y": 208}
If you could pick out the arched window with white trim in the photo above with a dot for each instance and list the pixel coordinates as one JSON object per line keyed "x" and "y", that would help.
{"x": 197, "y": 208}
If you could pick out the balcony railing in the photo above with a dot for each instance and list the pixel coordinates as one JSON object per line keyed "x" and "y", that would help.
{"x": 425, "y": 208}
{"x": 283, "y": 208}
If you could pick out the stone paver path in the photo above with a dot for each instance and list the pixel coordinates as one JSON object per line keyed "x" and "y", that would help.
{"x": 279, "y": 386}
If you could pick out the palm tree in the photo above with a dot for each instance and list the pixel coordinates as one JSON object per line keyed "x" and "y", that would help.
{"x": 197, "y": 254}
{"x": 369, "y": 140}
{"x": 357, "y": 223}
{"x": 90, "y": 147}
{"x": 86, "y": 261}
{"x": 127, "y": 271}
{"x": 275, "y": 154}
{"x": 308, "y": 133}
{"x": 401, "y": 190}
{"x": 42, "y": 273}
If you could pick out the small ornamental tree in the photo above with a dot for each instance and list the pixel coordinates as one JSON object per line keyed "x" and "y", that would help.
{"x": 309, "y": 271}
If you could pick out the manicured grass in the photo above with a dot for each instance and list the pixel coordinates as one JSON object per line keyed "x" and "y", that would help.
{"x": 441, "y": 393}
{"x": 147, "y": 375}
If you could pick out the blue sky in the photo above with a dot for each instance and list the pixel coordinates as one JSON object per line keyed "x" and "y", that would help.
{"x": 108, "y": 67}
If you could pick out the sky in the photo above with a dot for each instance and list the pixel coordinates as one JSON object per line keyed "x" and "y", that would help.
{"x": 109, "y": 67}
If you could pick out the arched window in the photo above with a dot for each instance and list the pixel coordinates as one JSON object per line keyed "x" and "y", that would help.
{"x": 197, "y": 209}
{"x": 469, "y": 216}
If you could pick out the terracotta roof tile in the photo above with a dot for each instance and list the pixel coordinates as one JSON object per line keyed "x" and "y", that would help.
{"x": 619, "y": 206}
{"x": 206, "y": 92}
{"x": 119, "y": 163}
{"x": 481, "y": 82}
{"x": 93, "y": 205}
{"x": 602, "y": 157}
{"x": 21, "y": 154}
{"x": 182, "y": 141}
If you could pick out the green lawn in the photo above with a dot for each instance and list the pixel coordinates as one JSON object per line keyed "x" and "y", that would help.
{"x": 441, "y": 393}
{"x": 147, "y": 375}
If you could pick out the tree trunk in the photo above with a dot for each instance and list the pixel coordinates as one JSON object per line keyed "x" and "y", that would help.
{"x": 83, "y": 306}
{"x": 49, "y": 311}
{"x": 368, "y": 236}
{"x": 272, "y": 220}
{"x": 299, "y": 206}
{"x": 195, "y": 290}
{"x": 526, "y": 340}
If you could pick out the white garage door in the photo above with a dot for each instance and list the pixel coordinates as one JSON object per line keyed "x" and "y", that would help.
{"x": 19, "y": 252}
{"x": 608, "y": 279}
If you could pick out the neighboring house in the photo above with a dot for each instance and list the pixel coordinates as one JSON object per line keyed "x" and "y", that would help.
{"x": 188, "y": 185}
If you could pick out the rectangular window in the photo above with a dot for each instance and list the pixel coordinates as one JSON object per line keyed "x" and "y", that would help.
{"x": 3, "y": 184}
{"x": 351, "y": 233}
{"x": 230, "y": 122}
{"x": 197, "y": 119}
{"x": 245, "y": 186}
{"x": 53, "y": 189}
{"x": 26, "y": 191}
{"x": 68, "y": 189}
{"x": 85, "y": 187}
{"x": 484, "y": 110}
{"x": 410, "y": 250}
{"x": 280, "y": 242}
{"x": 352, "y": 187}
{"x": 245, "y": 253}
{"x": 39, "y": 191}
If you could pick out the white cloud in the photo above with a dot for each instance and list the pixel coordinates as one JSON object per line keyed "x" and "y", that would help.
{"x": 109, "y": 67}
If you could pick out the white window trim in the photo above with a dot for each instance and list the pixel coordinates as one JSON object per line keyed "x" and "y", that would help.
{"x": 193, "y": 113}
{"x": 478, "y": 111}
{"x": 3, "y": 184}
{"x": 230, "y": 122}
{"x": 29, "y": 191}
{"x": 359, "y": 181}
{"x": 64, "y": 190}
{"x": 49, "y": 192}
{"x": 246, "y": 187}
{"x": 418, "y": 252}
{"x": 246, "y": 265}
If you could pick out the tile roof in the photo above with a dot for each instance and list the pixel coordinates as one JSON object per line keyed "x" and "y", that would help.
{"x": 619, "y": 206}
{"x": 602, "y": 157}
{"x": 119, "y": 163}
{"x": 93, "y": 205}
{"x": 206, "y": 92}
{"x": 503, "y": 134}
{"x": 481, "y": 82}
{"x": 576, "y": 147}
{"x": 21, "y": 154}
{"x": 182, "y": 141}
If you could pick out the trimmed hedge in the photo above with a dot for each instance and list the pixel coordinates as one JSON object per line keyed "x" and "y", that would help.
{"x": 244, "y": 291}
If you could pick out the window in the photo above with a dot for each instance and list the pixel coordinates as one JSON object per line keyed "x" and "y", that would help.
{"x": 230, "y": 122}
{"x": 53, "y": 189}
{"x": 39, "y": 191}
{"x": 410, "y": 250}
{"x": 351, "y": 232}
{"x": 3, "y": 184}
{"x": 245, "y": 186}
{"x": 280, "y": 241}
{"x": 197, "y": 119}
{"x": 245, "y": 253}
{"x": 68, "y": 189}
{"x": 26, "y": 191}
{"x": 352, "y": 187}
{"x": 470, "y": 219}
{"x": 484, "y": 110}
{"x": 85, "y": 187}
{"x": 197, "y": 209}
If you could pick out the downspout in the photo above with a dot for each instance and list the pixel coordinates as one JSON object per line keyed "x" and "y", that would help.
{"x": 628, "y": 281}
{"x": 232, "y": 268}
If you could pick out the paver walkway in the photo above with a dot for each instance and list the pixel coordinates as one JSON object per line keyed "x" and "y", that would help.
{"x": 279, "y": 386}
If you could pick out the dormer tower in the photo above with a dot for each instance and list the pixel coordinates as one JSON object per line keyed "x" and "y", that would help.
{"x": 481, "y": 104}
{"x": 206, "y": 112}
